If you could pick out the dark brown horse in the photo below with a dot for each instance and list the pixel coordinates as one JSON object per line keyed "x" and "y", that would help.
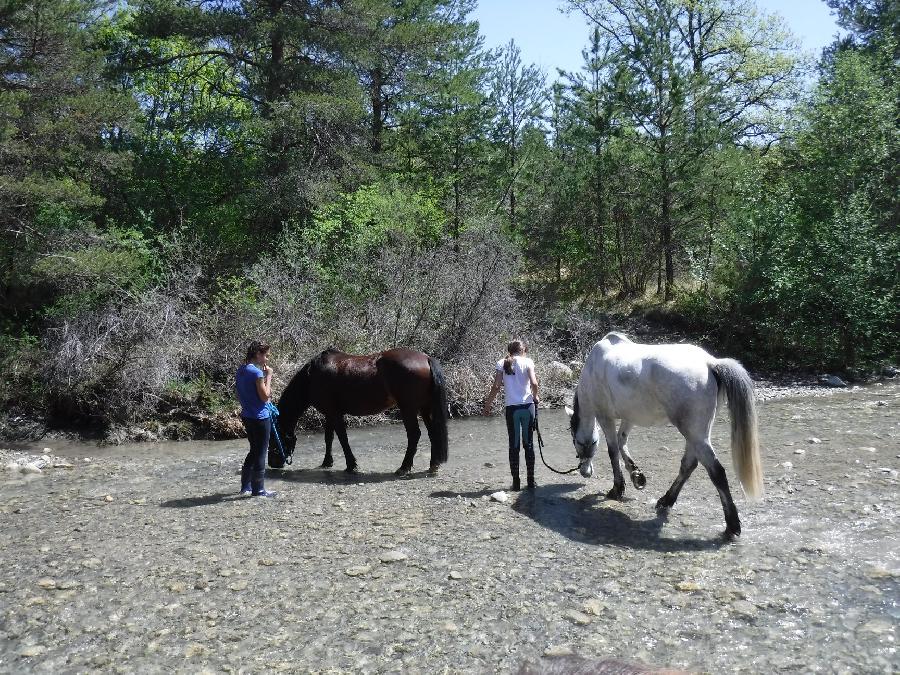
{"x": 338, "y": 384}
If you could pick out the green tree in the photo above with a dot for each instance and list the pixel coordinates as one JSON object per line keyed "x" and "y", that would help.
{"x": 519, "y": 96}
{"x": 61, "y": 127}
{"x": 696, "y": 75}
{"x": 280, "y": 67}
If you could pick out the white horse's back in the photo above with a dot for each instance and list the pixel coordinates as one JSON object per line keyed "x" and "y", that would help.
{"x": 649, "y": 384}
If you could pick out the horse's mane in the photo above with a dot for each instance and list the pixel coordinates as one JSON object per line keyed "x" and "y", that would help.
{"x": 574, "y": 421}
{"x": 615, "y": 337}
{"x": 293, "y": 391}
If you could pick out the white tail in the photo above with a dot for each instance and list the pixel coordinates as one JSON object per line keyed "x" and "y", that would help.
{"x": 741, "y": 399}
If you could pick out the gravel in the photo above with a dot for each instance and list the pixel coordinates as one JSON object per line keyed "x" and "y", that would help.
{"x": 142, "y": 558}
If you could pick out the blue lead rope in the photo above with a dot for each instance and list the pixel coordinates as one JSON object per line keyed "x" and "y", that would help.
{"x": 273, "y": 413}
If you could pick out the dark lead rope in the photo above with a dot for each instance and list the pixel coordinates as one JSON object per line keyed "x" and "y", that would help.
{"x": 537, "y": 430}
{"x": 273, "y": 413}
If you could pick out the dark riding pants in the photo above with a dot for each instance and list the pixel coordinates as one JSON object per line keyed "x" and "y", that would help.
{"x": 253, "y": 473}
{"x": 520, "y": 428}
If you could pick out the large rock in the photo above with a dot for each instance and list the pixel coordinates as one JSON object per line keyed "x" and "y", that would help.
{"x": 831, "y": 381}
{"x": 560, "y": 372}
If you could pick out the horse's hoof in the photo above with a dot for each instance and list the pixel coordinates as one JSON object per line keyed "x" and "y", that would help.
{"x": 326, "y": 465}
{"x": 731, "y": 535}
{"x": 432, "y": 470}
{"x": 638, "y": 480}
{"x": 351, "y": 470}
{"x": 616, "y": 493}
{"x": 403, "y": 471}
{"x": 662, "y": 504}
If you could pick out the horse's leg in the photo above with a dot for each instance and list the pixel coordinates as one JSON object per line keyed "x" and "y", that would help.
{"x": 688, "y": 464}
{"x": 707, "y": 456}
{"x": 411, "y": 423}
{"x": 637, "y": 476}
{"x": 612, "y": 445}
{"x": 328, "y": 462}
{"x": 340, "y": 428}
{"x": 426, "y": 418}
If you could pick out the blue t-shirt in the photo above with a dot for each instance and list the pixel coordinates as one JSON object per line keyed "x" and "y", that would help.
{"x": 252, "y": 406}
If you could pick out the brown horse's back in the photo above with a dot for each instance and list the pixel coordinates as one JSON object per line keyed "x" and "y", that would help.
{"x": 371, "y": 383}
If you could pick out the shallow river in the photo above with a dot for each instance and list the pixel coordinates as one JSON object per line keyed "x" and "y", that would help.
{"x": 142, "y": 558}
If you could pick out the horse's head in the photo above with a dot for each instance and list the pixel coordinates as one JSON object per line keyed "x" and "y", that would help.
{"x": 289, "y": 441}
{"x": 585, "y": 441}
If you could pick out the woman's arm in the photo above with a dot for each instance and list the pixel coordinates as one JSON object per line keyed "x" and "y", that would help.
{"x": 264, "y": 385}
{"x": 495, "y": 387}
{"x": 534, "y": 384}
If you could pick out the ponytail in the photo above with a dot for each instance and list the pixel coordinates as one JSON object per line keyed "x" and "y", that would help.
{"x": 515, "y": 348}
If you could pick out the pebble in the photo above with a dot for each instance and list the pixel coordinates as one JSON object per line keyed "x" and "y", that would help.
{"x": 799, "y": 451}
{"x": 876, "y": 627}
{"x": 454, "y": 575}
{"x": 577, "y": 617}
{"x": 556, "y": 651}
{"x": 393, "y": 556}
{"x": 687, "y": 586}
{"x": 744, "y": 608}
{"x": 357, "y": 570}
{"x": 594, "y": 606}
{"x": 500, "y": 496}
{"x": 814, "y": 440}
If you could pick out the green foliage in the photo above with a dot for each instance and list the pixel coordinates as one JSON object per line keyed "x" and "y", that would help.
{"x": 118, "y": 263}
{"x": 370, "y": 217}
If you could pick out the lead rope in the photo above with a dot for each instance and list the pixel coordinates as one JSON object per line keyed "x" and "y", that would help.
{"x": 273, "y": 413}
{"x": 537, "y": 430}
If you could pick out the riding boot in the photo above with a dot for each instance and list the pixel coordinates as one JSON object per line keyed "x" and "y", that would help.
{"x": 514, "y": 467}
{"x": 258, "y": 481}
{"x": 245, "y": 477}
{"x": 529, "y": 464}
{"x": 531, "y": 483}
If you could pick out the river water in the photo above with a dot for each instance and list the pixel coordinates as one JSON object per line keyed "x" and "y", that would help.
{"x": 141, "y": 558}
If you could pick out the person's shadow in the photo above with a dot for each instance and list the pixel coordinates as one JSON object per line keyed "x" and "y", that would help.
{"x": 339, "y": 476}
{"x": 206, "y": 500}
{"x": 587, "y": 520}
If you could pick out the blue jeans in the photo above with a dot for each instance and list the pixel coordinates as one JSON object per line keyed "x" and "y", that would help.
{"x": 519, "y": 421}
{"x": 253, "y": 473}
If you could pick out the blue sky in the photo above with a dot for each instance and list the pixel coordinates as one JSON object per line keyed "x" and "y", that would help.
{"x": 553, "y": 40}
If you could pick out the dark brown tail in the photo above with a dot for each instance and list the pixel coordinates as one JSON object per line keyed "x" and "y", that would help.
{"x": 439, "y": 412}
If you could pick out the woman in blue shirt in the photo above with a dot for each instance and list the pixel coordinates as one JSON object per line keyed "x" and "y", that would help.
{"x": 254, "y": 390}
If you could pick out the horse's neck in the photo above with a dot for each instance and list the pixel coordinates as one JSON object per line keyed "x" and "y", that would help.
{"x": 294, "y": 400}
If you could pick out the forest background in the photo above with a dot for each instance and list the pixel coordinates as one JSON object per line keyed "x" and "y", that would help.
{"x": 180, "y": 176}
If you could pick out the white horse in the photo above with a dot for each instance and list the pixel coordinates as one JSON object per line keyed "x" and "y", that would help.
{"x": 650, "y": 384}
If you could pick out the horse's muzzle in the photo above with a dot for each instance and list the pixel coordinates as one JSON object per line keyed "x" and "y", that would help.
{"x": 586, "y": 468}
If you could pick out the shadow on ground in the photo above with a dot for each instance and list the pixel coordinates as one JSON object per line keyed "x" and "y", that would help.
{"x": 339, "y": 476}
{"x": 206, "y": 500}
{"x": 593, "y": 520}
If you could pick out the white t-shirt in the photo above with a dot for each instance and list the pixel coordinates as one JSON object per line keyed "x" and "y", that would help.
{"x": 517, "y": 387}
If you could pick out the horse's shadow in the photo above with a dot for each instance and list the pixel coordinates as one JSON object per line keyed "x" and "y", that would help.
{"x": 580, "y": 520}
{"x": 319, "y": 475}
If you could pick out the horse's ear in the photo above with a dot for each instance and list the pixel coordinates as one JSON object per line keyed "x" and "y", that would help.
{"x": 569, "y": 411}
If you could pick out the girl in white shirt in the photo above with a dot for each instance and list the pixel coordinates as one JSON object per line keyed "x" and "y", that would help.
{"x": 516, "y": 375}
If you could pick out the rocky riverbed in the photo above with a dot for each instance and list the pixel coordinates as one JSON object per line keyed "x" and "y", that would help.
{"x": 141, "y": 558}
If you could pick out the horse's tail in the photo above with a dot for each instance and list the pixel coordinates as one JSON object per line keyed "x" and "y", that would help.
{"x": 744, "y": 442}
{"x": 439, "y": 436}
